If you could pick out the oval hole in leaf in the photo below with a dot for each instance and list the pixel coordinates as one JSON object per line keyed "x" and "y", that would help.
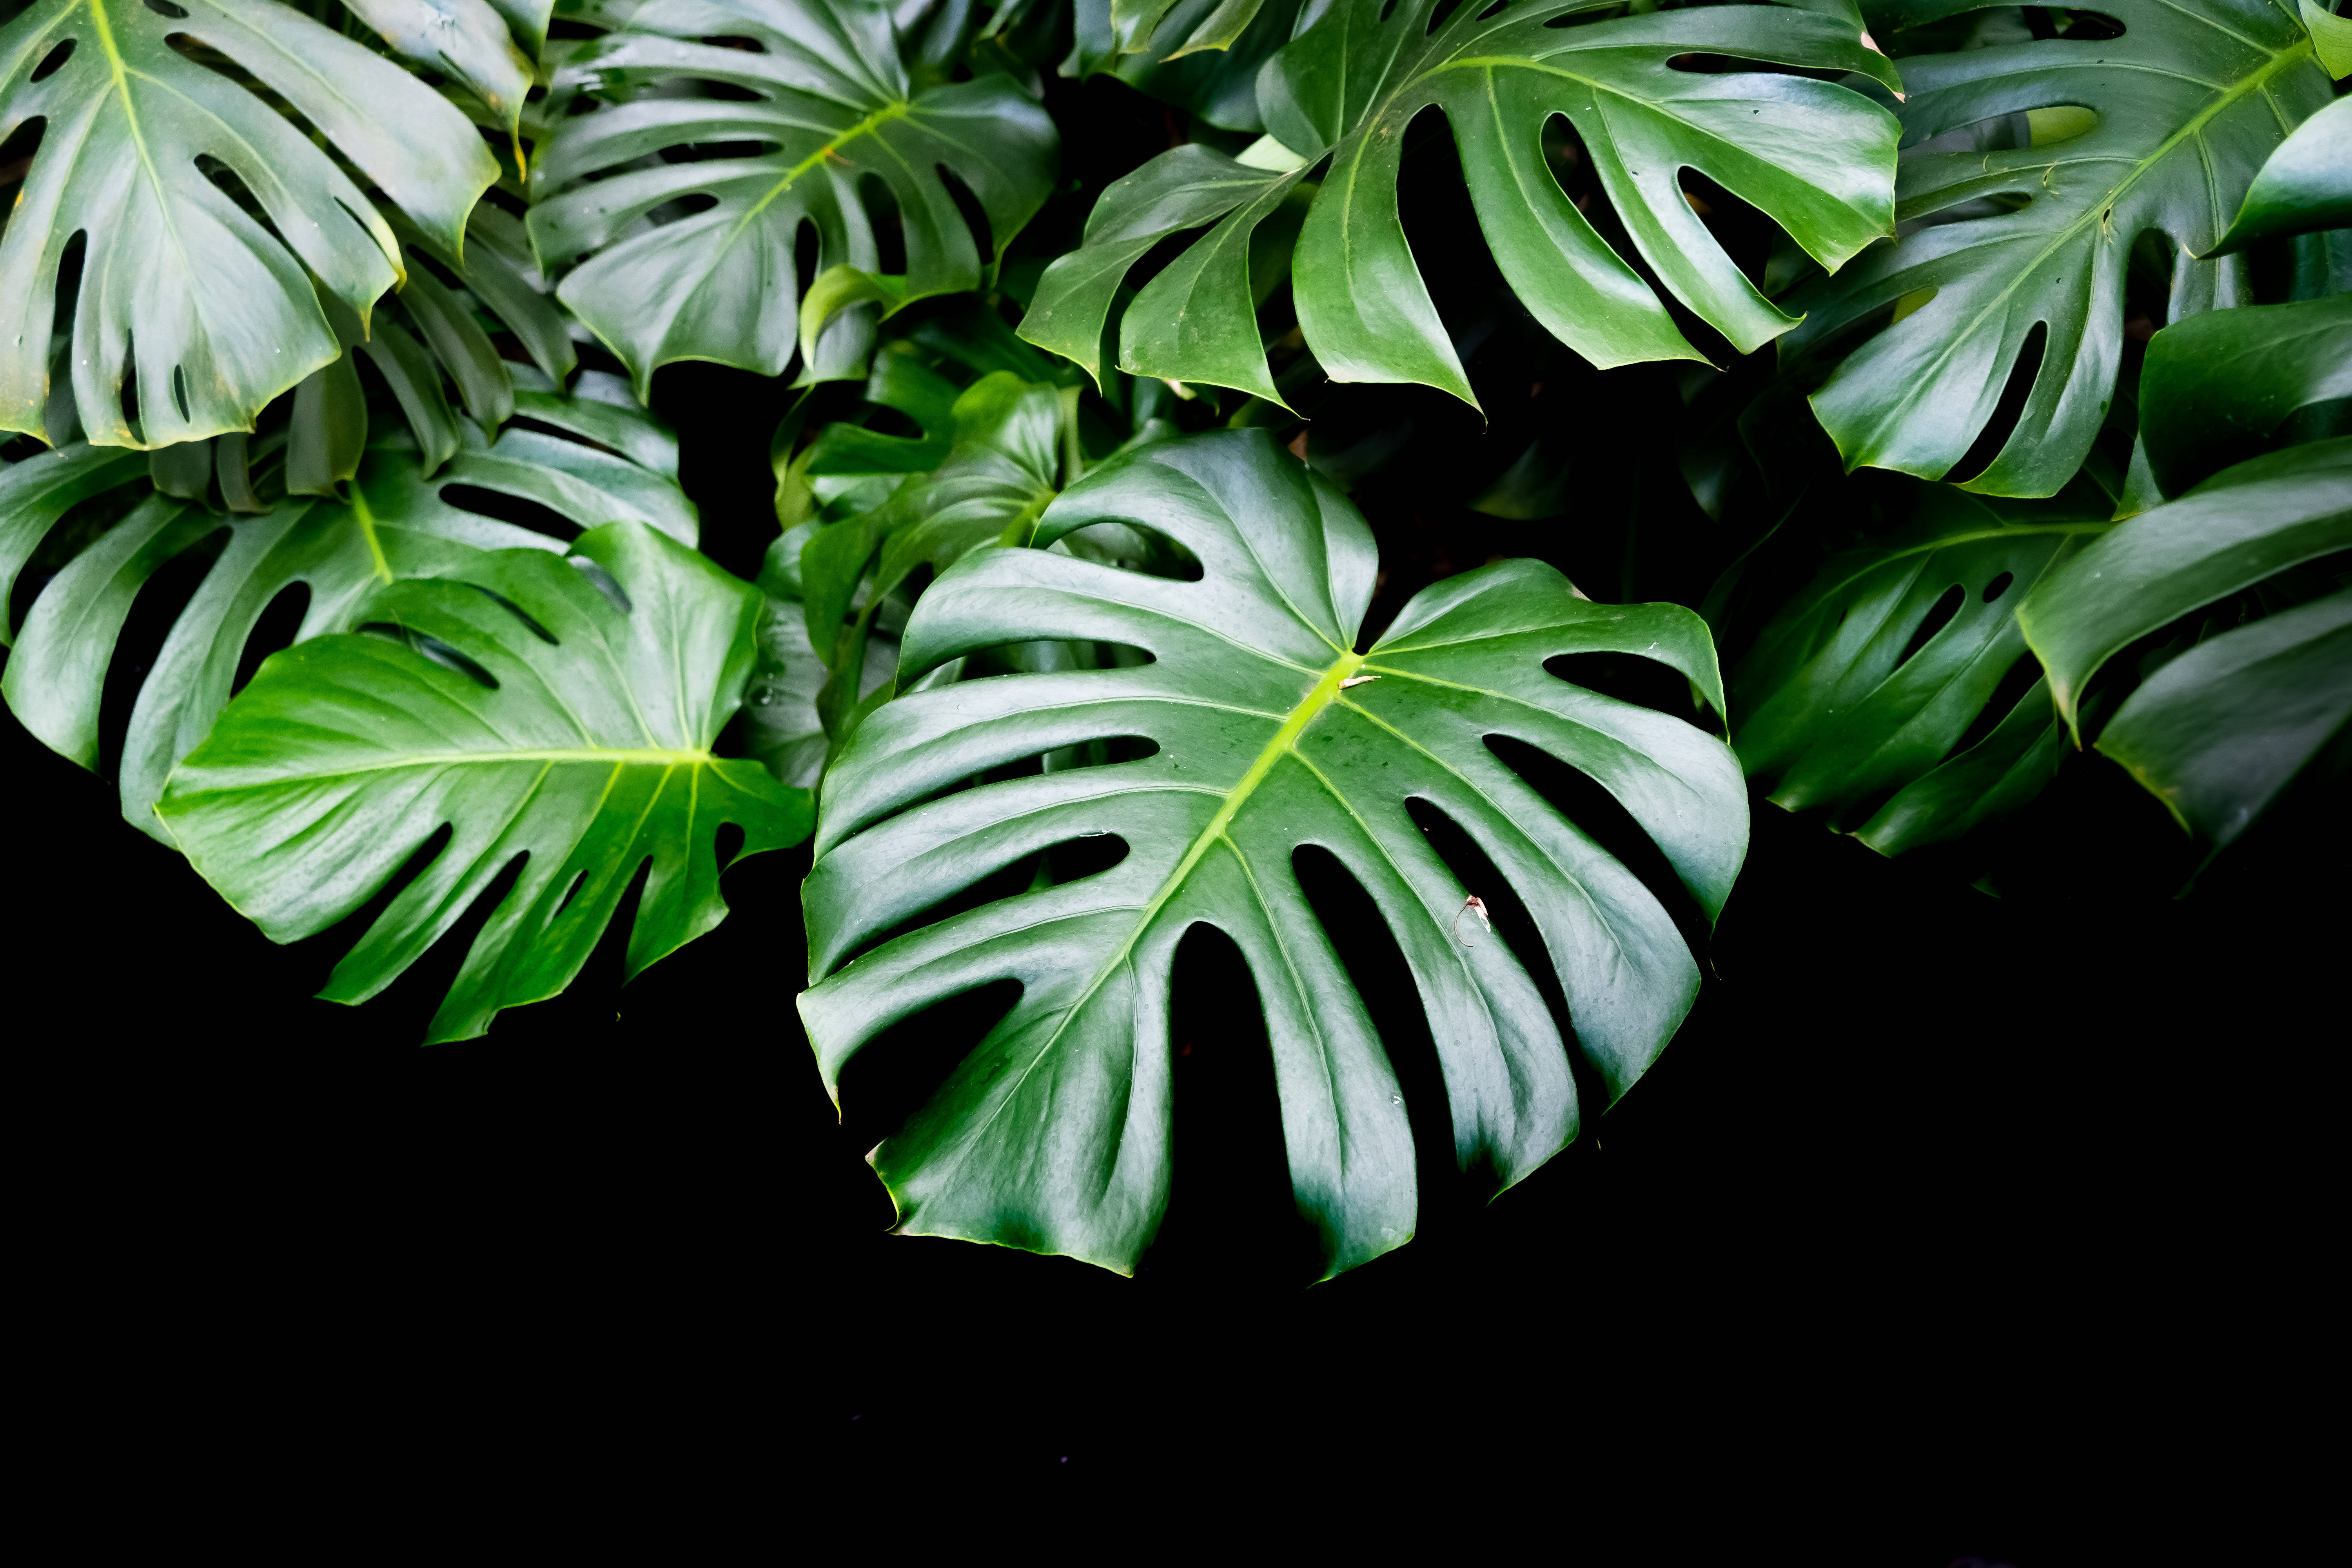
{"x": 2015, "y": 684}
{"x": 529, "y": 622}
{"x": 606, "y": 584}
{"x": 975, "y": 216}
{"x": 2007, "y": 412}
{"x": 434, "y": 649}
{"x": 16, "y": 150}
{"x": 1439, "y": 13}
{"x": 2060, "y": 123}
{"x": 273, "y": 629}
{"x": 1998, "y": 587}
{"x": 808, "y": 250}
{"x": 53, "y": 61}
{"x": 521, "y": 511}
{"x": 1939, "y": 616}
{"x": 161, "y": 600}
{"x": 1497, "y": 7}
{"x": 165, "y": 8}
{"x": 889, "y": 229}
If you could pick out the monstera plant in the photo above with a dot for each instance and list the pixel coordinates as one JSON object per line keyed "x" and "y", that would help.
{"x": 1222, "y": 449}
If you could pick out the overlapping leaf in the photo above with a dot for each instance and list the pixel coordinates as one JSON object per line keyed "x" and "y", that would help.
{"x": 2217, "y": 732}
{"x": 1270, "y": 734}
{"x": 1873, "y": 693}
{"x": 2216, "y": 387}
{"x": 2183, "y": 109}
{"x": 211, "y": 308}
{"x": 394, "y": 520}
{"x": 2305, "y": 185}
{"x": 1816, "y": 157}
{"x": 556, "y": 716}
{"x": 821, "y": 91}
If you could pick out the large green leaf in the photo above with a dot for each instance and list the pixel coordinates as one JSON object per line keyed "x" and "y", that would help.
{"x": 214, "y": 310}
{"x": 539, "y": 713}
{"x": 1816, "y": 157}
{"x": 2305, "y": 184}
{"x": 2183, "y": 107}
{"x": 827, "y": 99}
{"x": 1862, "y": 693}
{"x": 394, "y": 520}
{"x": 2234, "y": 531}
{"x": 2219, "y": 731}
{"x": 490, "y": 49}
{"x": 2215, "y": 386}
{"x": 1271, "y": 735}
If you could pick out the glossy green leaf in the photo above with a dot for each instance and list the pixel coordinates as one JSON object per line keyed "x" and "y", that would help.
{"x": 828, "y": 92}
{"x": 2188, "y": 102}
{"x": 2213, "y": 388}
{"x": 2303, "y": 186}
{"x": 1867, "y": 682}
{"x": 2219, "y": 731}
{"x": 394, "y": 521}
{"x": 2238, "y": 528}
{"x": 214, "y": 313}
{"x": 1271, "y": 735}
{"x": 544, "y": 715}
{"x": 2331, "y": 38}
{"x": 1135, "y": 23}
{"x": 1816, "y": 157}
{"x": 467, "y": 40}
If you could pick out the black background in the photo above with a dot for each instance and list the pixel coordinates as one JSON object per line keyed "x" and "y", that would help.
{"x": 1948, "y": 1225}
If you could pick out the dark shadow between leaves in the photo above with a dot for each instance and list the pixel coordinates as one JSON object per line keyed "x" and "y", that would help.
{"x": 1377, "y": 970}
{"x": 1231, "y": 1220}
{"x": 898, "y": 1071}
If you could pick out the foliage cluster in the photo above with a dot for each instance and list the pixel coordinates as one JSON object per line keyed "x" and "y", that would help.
{"x": 1895, "y": 408}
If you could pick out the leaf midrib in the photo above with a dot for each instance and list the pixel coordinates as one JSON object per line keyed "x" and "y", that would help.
{"x": 1318, "y": 697}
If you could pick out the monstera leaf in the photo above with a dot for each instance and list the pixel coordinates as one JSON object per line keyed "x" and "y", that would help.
{"x": 491, "y": 48}
{"x": 821, "y": 90}
{"x": 1271, "y": 735}
{"x": 2182, "y": 110}
{"x": 1816, "y": 157}
{"x": 394, "y": 521}
{"x": 2305, "y": 184}
{"x": 544, "y": 713}
{"x": 2217, "y": 732}
{"x": 2216, "y": 387}
{"x": 211, "y": 306}
{"x": 1896, "y": 690}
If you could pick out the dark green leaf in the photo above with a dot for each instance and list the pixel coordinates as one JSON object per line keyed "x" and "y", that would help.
{"x": 553, "y": 724}
{"x": 1270, "y": 734}
{"x": 2219, "y": 731}
{"x": 2305, "y": 185}
{"x": 830, "y": 94}
{"x": 180, "y": 284}
{"x": 392, "y": 521}
{"x": 2184, "y": 106}
{"x": 1844, "y": 702}
{"x": 2215, "y": 386}
{"x": 2235, "y": 530}
{"x": 1816, "y": 157}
